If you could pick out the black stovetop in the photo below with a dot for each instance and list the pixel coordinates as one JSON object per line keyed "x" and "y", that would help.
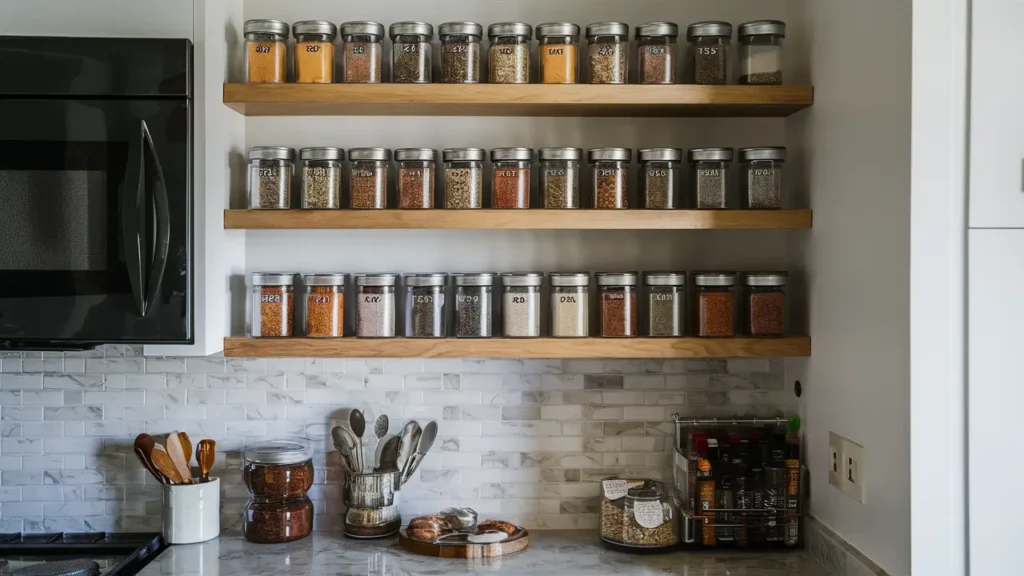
{"x": 116, "y": 554}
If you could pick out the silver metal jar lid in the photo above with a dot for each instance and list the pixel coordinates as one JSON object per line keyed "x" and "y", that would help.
{"x": 616, "y": 278}
{"x": 278, "y": 451}
{"x": 273, "y": 278}
{"x": 761, "y": 27}
{"x": 411, "y": 28}
{"x": 369, "y": 154}
{"x": 500, "y": 154}
{"x": 271, "y": 153}
{"x": 321, "y": 154}
{"x": 665, "y": 278}
{"x": 607, "y": 29}
{"x": 324, "y": 279}
{"x": 570, "y": 278}
{"x": 598, "y": 154}
{"x": 522, "y": 279}
{"x": 314, "y": 27}
{"x": 362, "y": 28}
{"x": 558, "y": 29}
{"x": 275, "y": 27}
{"x": 710, "y": 154}
{"x": 460, "y": 29}
{"x": 657, "y": 29}
{"x": 463, "y": 154}
{"x": 698, "y": 29}
{"x": 763, "y": 153}
{"x": 714, "y": 279}
{"x": 509, "y": 29}
{"x": 438, "y": 279}
{"x": 424, "y": 154}
{"x": 660, "y": 155}
{"x": 475, "y": 279}
{"x": 766, "y": 279}
{"x": 376, "y": 279}
{"x": 560, "y": 153}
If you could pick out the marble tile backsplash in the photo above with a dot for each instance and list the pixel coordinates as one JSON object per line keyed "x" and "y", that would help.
{"x": 524, "y": 440}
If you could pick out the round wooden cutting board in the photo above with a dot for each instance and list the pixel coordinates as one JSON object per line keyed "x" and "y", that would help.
{"x": 517, "y": 542}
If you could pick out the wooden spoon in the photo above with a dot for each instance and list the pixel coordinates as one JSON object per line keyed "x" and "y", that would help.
{"x": 186, "y": 447}
{"x": 143, "y": 447}
{"x": 162, "y": 461}
{"x": 205, "y": 455}
{"x": 177, "y": 455}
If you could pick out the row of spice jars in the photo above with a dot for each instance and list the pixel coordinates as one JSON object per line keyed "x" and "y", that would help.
{"x": 271, "y": 172}
{"x": 426, "y": 304}
{"x": 708, "y": 58}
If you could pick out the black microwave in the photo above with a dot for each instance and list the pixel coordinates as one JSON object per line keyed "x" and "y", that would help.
{"x": 95, "y": 192}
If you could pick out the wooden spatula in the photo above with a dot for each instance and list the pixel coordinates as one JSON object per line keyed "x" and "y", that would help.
{"x": 186, "y": 447}
{"x": 177, "y": 455}
{"x": 162, "y": 462}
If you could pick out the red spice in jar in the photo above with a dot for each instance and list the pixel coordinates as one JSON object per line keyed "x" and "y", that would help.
{"x": 618, "y": 312}
{"x": 416, "y": 188}
{"x": 767, "y": 314}
{"x": 269, "y": 521}
{"x": 325, "y": 311}
{"x": 276, "y": 310}
{"x": 511, "y": 187}
{"x": 714, "y": 314}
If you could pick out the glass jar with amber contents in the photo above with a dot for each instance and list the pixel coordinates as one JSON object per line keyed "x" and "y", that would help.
{"x": 278, "y": 473}
{"x": 314, "y": 51}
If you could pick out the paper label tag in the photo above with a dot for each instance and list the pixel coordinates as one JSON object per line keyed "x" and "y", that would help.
{"x": 649, "y": 514}
{"x": 617, "y": 488}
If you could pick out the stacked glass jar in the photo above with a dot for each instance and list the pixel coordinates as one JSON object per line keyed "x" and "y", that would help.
{"x": 278, "y": 473}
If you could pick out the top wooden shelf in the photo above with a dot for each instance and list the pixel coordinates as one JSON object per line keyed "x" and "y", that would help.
{"x": 515, "y": 100}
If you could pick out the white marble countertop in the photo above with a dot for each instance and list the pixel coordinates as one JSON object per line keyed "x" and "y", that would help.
{"x": 551, "y": 553}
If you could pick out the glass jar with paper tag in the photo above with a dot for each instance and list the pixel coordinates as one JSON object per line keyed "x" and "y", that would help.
{"x": 613, "y": 506}
{"x": 638, "y": 515}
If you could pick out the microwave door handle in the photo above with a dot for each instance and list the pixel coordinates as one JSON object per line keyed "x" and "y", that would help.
{"x": 131, "y": 227}
{"x": 162, "y": 214}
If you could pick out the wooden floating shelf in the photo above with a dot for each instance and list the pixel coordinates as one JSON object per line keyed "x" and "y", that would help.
{"x": 627, "y": 100}
{"x": 516, "y": 347}
{"x": 516, "y": 219}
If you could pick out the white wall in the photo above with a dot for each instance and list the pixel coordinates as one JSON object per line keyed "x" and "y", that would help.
{"x": 115, "y": 18}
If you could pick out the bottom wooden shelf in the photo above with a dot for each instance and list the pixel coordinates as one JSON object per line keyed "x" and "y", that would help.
{"x": 516, "y": 347}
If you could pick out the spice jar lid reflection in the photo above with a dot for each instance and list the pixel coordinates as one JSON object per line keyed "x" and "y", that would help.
{"x": 426, "y": 279}
{"x": 698, "y": 29}
{"x": 271, "y": 153}
{"x": 376, "y": 279}
{"x": 278, "y": 451}
{"x": 463, "y": 154}
{"x": 560, "y": 153}
{"x": 570, "y": 278}
{"x": 362, "y": 28}
{"x": 321, "y": 154}
{"x": 424, "y": 154}
{"x": 509, "y": 29}
{"x": 522, "y": 279}
{"x": 712, "y": 154}
{"x": 621, "y": 154}
{"x": 314, "y": 27}
{"x": 558, "y": 29}
{"x": 659, "y": 154}
{"x": 766, "y": 279}
{"x": 324, "y": 279}
{"x": 762, "y": 27}
{"x": 460, "y": 29}
{"x": 649, "y": 29}
{"x": 369, "y": 154}
{"x": 273, "y": 278}
{"x": 275, "y": 27}
{"x": 616, "y": 278}
{"x": 411, "y": 29}
{"x": 665, "y": 278}
{"x": 714, "y": 279}
{"x": 763, "y": 153}
{"x": 477, "y": 279}
{"x": 607, "y": 29}
{"x": 499, "y": 154}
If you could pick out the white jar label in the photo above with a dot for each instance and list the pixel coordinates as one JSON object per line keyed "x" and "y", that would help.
{"x": 614, "y": 489}
{"x": 649, "y": 514}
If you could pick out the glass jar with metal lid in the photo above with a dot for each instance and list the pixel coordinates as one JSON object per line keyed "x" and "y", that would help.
{"x": 650, "y": 519}
{"x": 266, "y": 49}
{"x": 707, "y": 59}
{"x": 610, "y": 170}
{"x": 416, "y": 175}
{"x": 509, "y": 54}
{"x": 521, "y": 304}
{"x": 271, "y": 169}
{"x": 375, "y": 305}
{"x": 560, "y": 177}
{"x": 761, "y": 51}
{"x": 511, "y": 183}
{"x": 425, "y": 305}
{"x": 714, "y": 296}
{"x": 411, "y": 53}
{"x": 558, "y": 47}
{"x": 368, "y": 178}
{"x": 474, "y": 305}
{"x": 325, "y": 305}
{"x": 709, "y": 175}
{"x": 660, "y": 170}
{"x": 321, "y": 177}
{"x": 278, "y": 473}
{"x": 314, "y": 51}
{"x": 766, "y": 309}
{"x": 362, "y": 52}
{"x": 656, "y": 52}
{"x": 460, "y": 52}
{"x": 665, "y": 303}
{"x": 761, "y": 172}
{"x": 607, "y": 52}
{"x": 570, "y": 304}
{"x": 273, "y": 304}
{"x": 616, "y": 292}
{"x": 463, "y": 178}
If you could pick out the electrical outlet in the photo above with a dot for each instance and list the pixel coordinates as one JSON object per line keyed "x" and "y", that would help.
{"x": 835, "y": 460}
{"x": 852, "y": 455}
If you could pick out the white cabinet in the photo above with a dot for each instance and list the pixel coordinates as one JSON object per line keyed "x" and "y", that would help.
{"x": 116, "y": 18}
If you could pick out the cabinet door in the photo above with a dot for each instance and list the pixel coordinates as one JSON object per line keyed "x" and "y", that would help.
{"x": 114, "y": 18}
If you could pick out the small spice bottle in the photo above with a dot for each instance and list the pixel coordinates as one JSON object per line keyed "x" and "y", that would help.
{"x": 610, "y": 168}
{"x": 325, "y": 305}
{"x": 558, "y": 47}
{"x": 511, "y": 184}
{"x": 764, "y": 297}
{"x": 460, "y": 52}
{"x": 463, "y": 178}
{"x": 474, "y": 305}
{"x": 707, "y": 59}
{"x": 656, "y": 52}
{"x": 411, "y": 53}
{"x": 266, "y": 48}
{"x": 375, "y": 305}
{"x": 560, "y": 177}
{"x": 368, "y": 178}
{"x": 362, "y": 51}
{"x": 608, "y": 51}
{"x": 761, "y": 177}
{"x": 761, "y": 51}
{"x": 616, "y": 291}
{"x": 416, "y": 173}
{"x": 425, "y": 305}
{"x": 321, "y": 177}
{"x": 709, "y": 174}
{"x": 570, "y": 304}
{"x": 714, "y": 303}
{"x": 271, "y": 169}
{"x": 273, "y": 300}
{"x": 314, "y": 51}
{"x": 509, "y": 54}
{"x": 521, "y": 304}
{"x": 659, "y": 178}
{"x": 665, "y": 303}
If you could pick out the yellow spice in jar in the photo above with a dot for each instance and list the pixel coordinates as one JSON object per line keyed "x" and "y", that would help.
{"x": 314, "y": 62}
{"x": 266, "y": 62}
{"x": 558, "y": 64}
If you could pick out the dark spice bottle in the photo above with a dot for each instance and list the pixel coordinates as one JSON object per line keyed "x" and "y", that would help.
{"x": 708, "y": 58}
{"x": 417, "y": 172}
{"x": 724, "y": 495}
{"x": 278, "y": 473}
{"x": 460, "y": 52}
{"x": 659, "y": 178}
{"x": 511, "y": 185}
{"x": 411, "y": 60}
{"x": 617, "y": 295}
{"x": 610, "y": 170}
{"x": 362, "y": 52}
{"x": 706, "y": 491}
{"x": 656, "y": 45}
{"x": 425, "y": 305}
{"x": 761, "y": 177}
{"x": 710, "y": 183}
{"x": 764, "y": 298}
{"x": 474, "y": 309}
{"x": 714, "y": 305}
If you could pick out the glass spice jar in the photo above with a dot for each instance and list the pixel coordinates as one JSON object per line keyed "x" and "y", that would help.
{"x": 325, "y": 305}
{"x": 463, "y": 178}
{"x": 362, "y": 52}
{"x": 411, "y": 52}
{"x": 761, "y": 177}
{"x": 616, "y": 292}
{"x": 278, "y": 474}
{"x": 271, "y": 169}
{"x": 709, "y": 175}
{"x": 707, "y": 59}
{"x": 558, "y": 47}
{"x": 656, "y": 52}
{"x": 511, "y": 180}
{"x": 521, "y": 304}
{"x": 650, "y": 520}
{"x": 560, "y": 177}
{"x": 314, "y": 51}
{"x": 665, "y": 303}
{"x": 416, "y": 174}
{"x": 368, "y": 178}
{"x": 266, "y": 49}
{"x": 608, "y": 51}
{"x": 761, "y": 51}
{"x": 570, "y": 304}
{"x": 321, "y": 177}
{"x": 659, "y": 178}
{"x": 375, "y": 305}
{"x": 714, "y": 304}
{"x": 273, "y": 304}
{"x": 766, "y": 311}
{"x": 460, "y": 52}
{"x": 425, "y": 305}
{"x": 610, "y": 169}
{"x": 509, "y": 54}
{"x": 474, "y": 305}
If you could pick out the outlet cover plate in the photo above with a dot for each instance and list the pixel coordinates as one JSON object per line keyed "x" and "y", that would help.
{"x": 835, "y": 460}
{"x": 853, "y": 470}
